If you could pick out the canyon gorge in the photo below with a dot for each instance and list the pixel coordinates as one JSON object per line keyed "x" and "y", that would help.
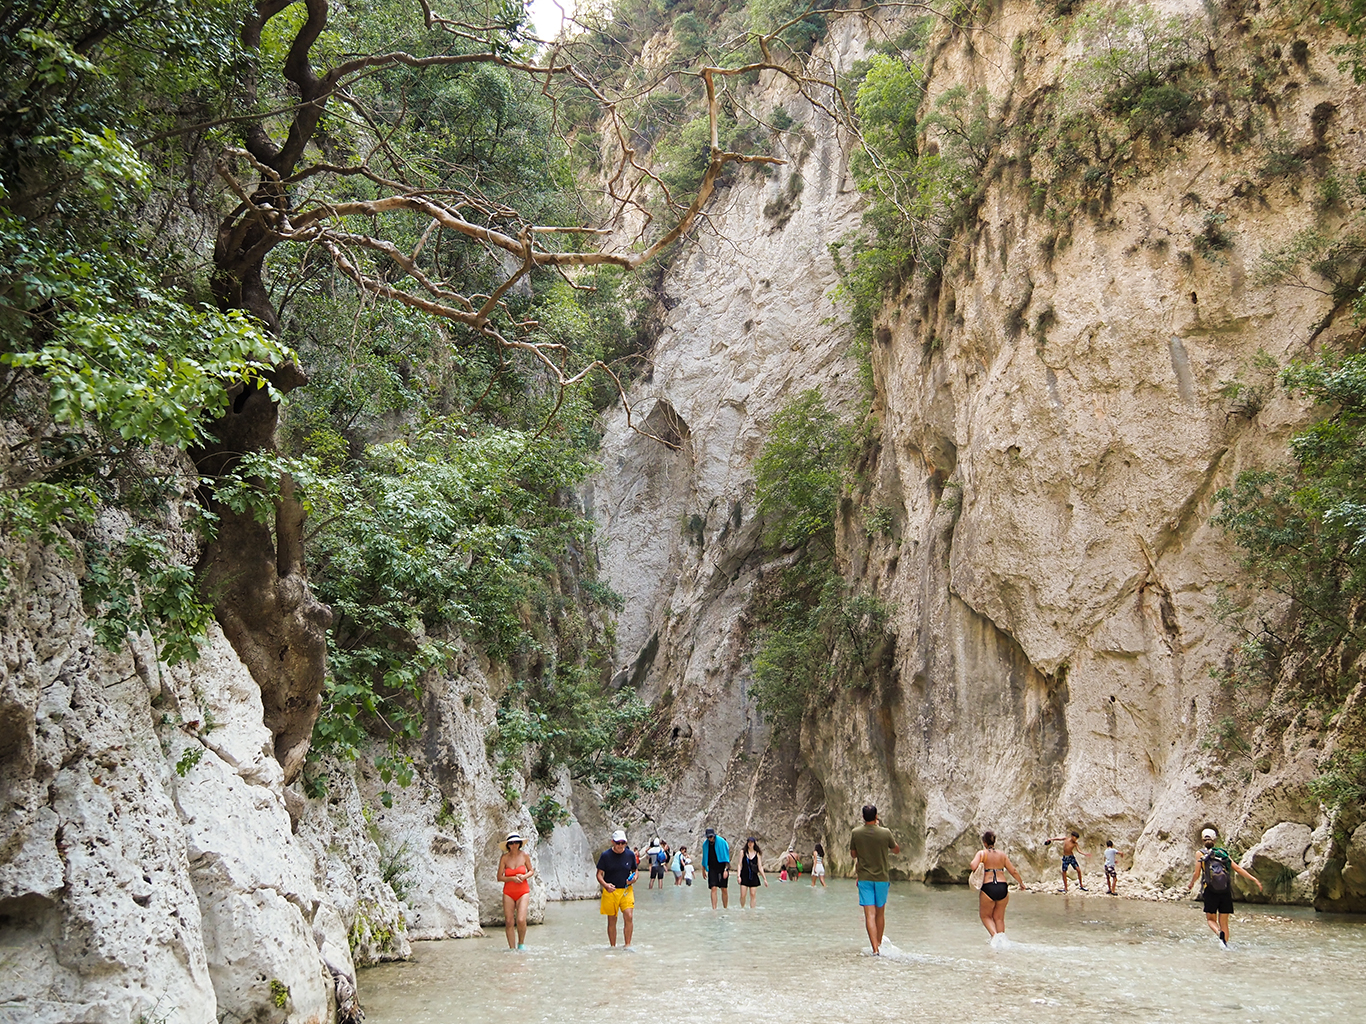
{"x": 1041, "y": 418}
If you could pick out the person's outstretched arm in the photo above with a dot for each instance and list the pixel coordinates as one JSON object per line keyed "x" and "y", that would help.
{"x": 1247, "y": 874}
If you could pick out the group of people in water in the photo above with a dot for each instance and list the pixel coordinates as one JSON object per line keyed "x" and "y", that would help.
{"x": 871, "y": 846}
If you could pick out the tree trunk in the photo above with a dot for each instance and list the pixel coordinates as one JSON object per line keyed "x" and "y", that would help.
{"x": 255, "y": 578}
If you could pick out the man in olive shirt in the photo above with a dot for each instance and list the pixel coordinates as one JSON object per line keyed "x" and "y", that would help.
{"x": 871, "y": 846}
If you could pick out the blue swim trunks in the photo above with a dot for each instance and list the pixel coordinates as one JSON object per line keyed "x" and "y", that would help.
{"x": 873, "y": 894}
{"x": 1069, "y": 862}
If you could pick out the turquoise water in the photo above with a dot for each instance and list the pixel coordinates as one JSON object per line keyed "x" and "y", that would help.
{"x": 803, "y": 956}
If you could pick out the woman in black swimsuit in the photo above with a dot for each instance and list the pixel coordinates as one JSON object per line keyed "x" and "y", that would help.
{"x": 991, "y": 903}
{"x": 751, "y": 872}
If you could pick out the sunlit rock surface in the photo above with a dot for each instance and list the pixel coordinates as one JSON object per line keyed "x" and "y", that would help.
{"x": 1055, "y": 420}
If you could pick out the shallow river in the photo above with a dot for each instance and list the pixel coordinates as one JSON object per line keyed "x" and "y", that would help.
{"x": 803, "y": 957}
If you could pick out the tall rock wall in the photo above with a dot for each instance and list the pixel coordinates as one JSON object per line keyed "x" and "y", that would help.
{"x": 153, "y": 865}
{"x": 751, "y": 324}
{"x": 1055, "y": 419}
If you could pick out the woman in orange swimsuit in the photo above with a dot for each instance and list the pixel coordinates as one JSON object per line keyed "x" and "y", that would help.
{"x": 514, "y": 868}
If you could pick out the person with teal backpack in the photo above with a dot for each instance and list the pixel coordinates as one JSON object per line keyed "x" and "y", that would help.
{"x": 1215, "y": 866}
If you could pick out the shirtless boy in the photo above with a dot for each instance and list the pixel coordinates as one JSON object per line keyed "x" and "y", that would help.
{"x": 1071, "y": 846}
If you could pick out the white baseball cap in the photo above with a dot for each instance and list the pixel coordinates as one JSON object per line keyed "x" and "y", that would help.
{"x": 1209, "y": 833}
{"x": 619, "y": 836}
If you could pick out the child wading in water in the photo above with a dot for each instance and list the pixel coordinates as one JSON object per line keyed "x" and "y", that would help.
{"x": 818, "y": 866}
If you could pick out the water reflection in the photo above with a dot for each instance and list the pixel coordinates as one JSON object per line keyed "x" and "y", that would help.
{"x": 802, "y": 956}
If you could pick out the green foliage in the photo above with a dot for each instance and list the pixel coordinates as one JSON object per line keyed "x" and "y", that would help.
{"x": 921, "y": 178}
{"x": 106, "y": 359}
{"x": 690, "y": 33}
{"x": 800, "y": 473}
{"x": 811, "y": 629}
{"x": 812, "y": 633}
{"x": 878, "y": 520}
{"x": 548, "y": 812}
{"x": 799, "y": 24}
{"x": 1304, "y": 532}
{"x": 564, "y": 718}
{"x": 1303, "y": 535}
{"x": 279, "y": 993}
{"x": 1342, "y": 783}
{"x": 135, "y": 586}
{"x": 395, "y": 867}
{"x": 439, "y": 533}
{"x": 449, "y": 818}
{"x": 1130, "y": 49}
{"x": 188, "y": 760}
{"x": 1213, "y": 239}
{"x": 1350, "y": 17}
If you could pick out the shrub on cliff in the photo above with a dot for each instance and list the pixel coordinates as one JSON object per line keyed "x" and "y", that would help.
{"x": 800, "y": 472}
{"x": 1303, "y": 534}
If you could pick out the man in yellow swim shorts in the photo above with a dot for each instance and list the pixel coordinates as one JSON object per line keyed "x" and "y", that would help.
{"x": 616, "y": 871}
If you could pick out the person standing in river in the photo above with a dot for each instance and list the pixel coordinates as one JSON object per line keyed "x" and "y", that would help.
{"x": 617, "y": 869}
{"x": 818, "y": 866}
{"x": 716, "y": 866}
{"x": 514, "y": 868}
{"x": 792, "y": 864}
{"x": 871, "y": 846}
{"x": 654, "y": 857}
{"x": 751, "y": 872}
{"x": 1216, "y": 866}
{"x": 1071, "y": 846}
{"x": 995, "y": 892}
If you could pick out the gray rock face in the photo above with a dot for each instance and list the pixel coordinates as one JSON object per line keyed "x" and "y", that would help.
{"x": 152, "y": 861}
{"x": 1054, "y": 424}
{"x": 1281, "y": 862}
{"x": 752, "y": 325}
{"x": 148, "y": 865}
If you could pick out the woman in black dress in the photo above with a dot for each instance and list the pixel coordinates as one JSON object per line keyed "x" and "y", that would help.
{"x": 751, "y": 872}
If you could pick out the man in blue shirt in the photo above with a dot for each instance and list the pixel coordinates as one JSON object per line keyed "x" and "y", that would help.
{"x": 616, "y": 871}
{"x": 716, "y": 863}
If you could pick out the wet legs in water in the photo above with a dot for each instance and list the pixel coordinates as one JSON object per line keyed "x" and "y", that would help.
{"x": 993, "y": 914}
{"x": 875, "y": 920}
{"x": 515, "y": 916}
{"x": 628, "y": 916}
{"x": 753, "y": 891}
{"x": 1218, "y": 924}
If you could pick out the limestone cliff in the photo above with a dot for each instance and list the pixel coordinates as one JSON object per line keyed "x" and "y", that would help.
{"x": 154, "y": 865}
{"x": 1053, "y": 419}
